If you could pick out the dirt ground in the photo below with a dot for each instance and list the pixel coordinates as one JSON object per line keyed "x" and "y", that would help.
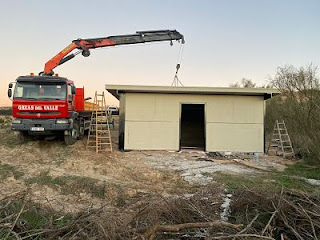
{"x": 71, "y": 178}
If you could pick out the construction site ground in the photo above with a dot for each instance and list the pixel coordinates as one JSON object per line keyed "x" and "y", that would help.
{"x": 72, "y": 178}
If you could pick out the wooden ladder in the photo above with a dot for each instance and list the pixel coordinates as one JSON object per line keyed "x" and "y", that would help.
{"x": 99, "y": 136}
{"x": 280, "y": 140}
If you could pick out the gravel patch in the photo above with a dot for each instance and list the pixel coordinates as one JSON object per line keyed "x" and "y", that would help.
{"x": 190, "y": 166}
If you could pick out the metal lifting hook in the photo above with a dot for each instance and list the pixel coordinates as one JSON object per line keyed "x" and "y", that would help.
{"x": 176, "y": 82}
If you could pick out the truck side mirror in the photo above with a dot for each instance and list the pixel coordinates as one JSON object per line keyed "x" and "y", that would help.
{"x": 73, "y": 90}
{"x": 10, "y": 85}
{"x": 9, "y": 92}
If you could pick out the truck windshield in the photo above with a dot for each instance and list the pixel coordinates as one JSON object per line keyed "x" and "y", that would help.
{"x": 40, "y": 91}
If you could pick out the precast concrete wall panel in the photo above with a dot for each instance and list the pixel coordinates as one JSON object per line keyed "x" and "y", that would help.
{"x": 235, "y": 109}
{"x": 234, "y": 137}
{"x": 152, "y": 135}
{"x": 232, "y": 122}
{"x": 152, "y": 107}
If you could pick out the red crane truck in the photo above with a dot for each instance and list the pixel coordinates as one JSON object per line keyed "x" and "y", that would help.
{"x": 49, "y": 105}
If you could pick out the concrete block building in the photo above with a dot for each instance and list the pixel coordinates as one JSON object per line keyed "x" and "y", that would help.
{"x": 208, "y": 118}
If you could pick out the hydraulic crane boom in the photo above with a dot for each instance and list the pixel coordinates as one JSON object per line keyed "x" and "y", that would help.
{"x": 83, "y": 45}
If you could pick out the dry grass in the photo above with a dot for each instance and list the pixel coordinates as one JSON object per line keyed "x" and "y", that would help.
{"x": 262, "y": 215}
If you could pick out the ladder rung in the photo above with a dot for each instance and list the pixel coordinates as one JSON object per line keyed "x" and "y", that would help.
{"x": 101, "y": 125}
{"x": 99, "y": 143}
{"x": 99, "y": 136}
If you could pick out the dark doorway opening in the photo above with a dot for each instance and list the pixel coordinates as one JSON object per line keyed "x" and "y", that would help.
{"x": 192, "y": 126}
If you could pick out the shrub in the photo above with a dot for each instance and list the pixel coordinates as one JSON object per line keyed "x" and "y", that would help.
{"x": 299, "y": 106}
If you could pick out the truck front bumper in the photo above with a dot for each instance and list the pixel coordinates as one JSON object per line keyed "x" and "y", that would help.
{"x": 40, "y": 126}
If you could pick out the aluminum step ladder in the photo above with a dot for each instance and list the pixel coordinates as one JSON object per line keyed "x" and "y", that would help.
{"x": 99, "y": 137}
{"x": 280, "y": 141}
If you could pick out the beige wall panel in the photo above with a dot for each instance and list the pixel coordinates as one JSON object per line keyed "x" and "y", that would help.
{"x": 234, "y": 137}
{"x": 152, "y": 136}
{"x": 233, "y": 123}
{"x": 151, "y": 107}
{"x": 235, "y": 109}
{"x": 219, "y": 108}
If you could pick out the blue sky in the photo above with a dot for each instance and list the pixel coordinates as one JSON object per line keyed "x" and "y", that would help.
{"x": 225, "y": 40}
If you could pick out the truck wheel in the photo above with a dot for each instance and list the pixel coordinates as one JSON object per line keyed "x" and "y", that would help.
{"x": 73, "y": 134}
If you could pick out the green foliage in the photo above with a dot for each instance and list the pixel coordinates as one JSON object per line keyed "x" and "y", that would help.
{"x": 7, "y": 170}
{"x": 70, "y": 184}
{"x": 34, "y": 218}
{"x": 302, "y": 169}
{"x": 9, "y": 139}
{"x": 291, "y": 178}
{"x": 44, "y": 179}
{"x": 5, "y": 121}
{"x": 77, "y": 184}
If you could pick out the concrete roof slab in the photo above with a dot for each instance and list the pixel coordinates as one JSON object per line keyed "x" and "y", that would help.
{"x": 115, "y": 90}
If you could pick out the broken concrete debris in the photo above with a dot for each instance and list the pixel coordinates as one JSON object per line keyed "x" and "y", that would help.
{"x": 226, "y": 207}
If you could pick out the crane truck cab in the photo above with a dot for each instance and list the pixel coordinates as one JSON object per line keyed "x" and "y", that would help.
{"x": 45, "y": 105}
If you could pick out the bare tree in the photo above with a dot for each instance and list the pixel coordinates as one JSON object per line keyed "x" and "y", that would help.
{"x": 247, "y": 83}
{"x": 299, "y": 106}
{"x": 244, "y": 83}
{"x": 235, "y": 85}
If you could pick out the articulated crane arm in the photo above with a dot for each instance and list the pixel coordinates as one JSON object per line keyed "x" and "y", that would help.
{"x": 83, "y": 45}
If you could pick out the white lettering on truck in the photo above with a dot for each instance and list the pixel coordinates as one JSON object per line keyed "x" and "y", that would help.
{"x": 25, "y": 107}
{"x": 50, "y": 108}
{"x": 38, "y": 108}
